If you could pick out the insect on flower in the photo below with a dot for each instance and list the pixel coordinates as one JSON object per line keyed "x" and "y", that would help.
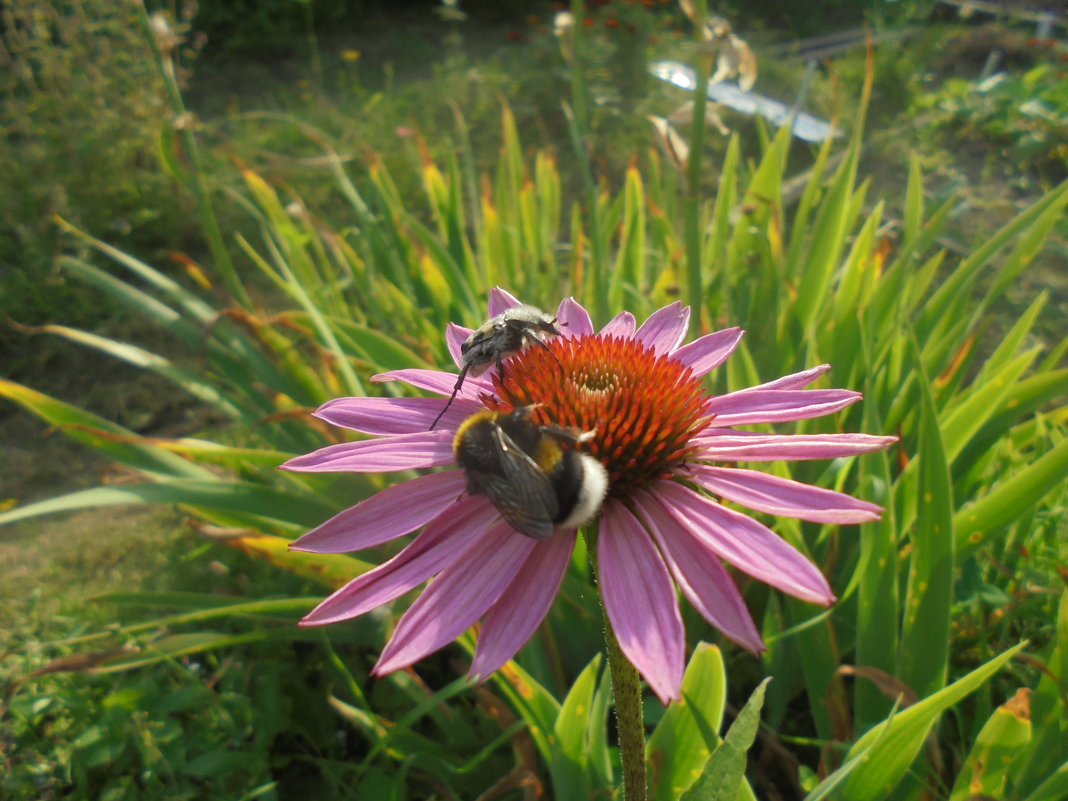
{"x": 532, "y": 473}
{"x": 626, "y": 407}
{"x": 498, "y": 338}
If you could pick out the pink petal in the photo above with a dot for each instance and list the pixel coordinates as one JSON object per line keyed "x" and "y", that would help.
{"x": 622, "y": 325}
{"x": 706, "y": 353}
{"x": 455, "y": 336}
{"x": 390, "y": 416}
{"x": 390, "y": 513}
{"x": 794, "y": 380}
{"x": 402, "y": 452}
{"x": 745, "y": 543}
{"x": 458, "y": 597}
{"x": 777, "y": 405}
{"x": 640, "y": 601}
{"x": 436, "y": 381}
{"x": 521, "y": 608}
{"x": 440, "y": 544}
{"x": 573, "y": 320}
{"x": 500, "y": 301}
{"x": 698, "y": 572}
{"x": 748, "y": 446}
{"x": 784, "y": 497}
{"x": 663, "y": 332}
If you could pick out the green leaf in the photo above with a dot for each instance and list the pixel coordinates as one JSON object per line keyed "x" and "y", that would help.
{"x": 177, "y": 645}
{"x": 1040, "y": 773}
{"x": 208, "y": 452}
{"x": 600, "y": 757}
{"x": 571, "y": 778}
{"x": 188, "y": 301}
{"x": 982, "y": 402}
{"x": 1002, "y": 738}
{"x": 902, "y": 736}
{"x": 333, "y": 570}
{"x": 1009, "y": 500}
{"x": 629, "y": 268}
{"x": 190, "y": 332}
{"x": 828, "y": 241}
{"x": 1055, "y": 788}
{"x": 117, "y": 442}
{"x": 1032, "y": 222}
{"x": 724, "y": 774}
{"x": 234, "y": 496}
{"x": 1023, "y": 399}
{"x": 145, "y": 360}
{"x": 926, "y": 628}
{"x": 1014, "y": 339}
{"x": 685, "y": 737}
{"x": 216, "y": 764}
{"x": 381, "y": 350}
{"x": 533, "y": 703}
{"x": 878, "y": 595}
{"x": 827, "y": 787}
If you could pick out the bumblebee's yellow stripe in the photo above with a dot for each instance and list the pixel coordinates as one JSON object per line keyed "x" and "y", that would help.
{"x": 474, "y": 419}
{"x": 549, "y": 454}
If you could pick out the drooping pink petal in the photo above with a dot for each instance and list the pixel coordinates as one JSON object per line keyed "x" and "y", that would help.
{"x": 402, "y": 452}
{"x": 440, "y": 544}
{"x": 706, "y": 353}
{"x": 777, "y": 405}
{"x": 436, "y": 381}
{"x": 455, "y": 336}
{"x": 388, "y": 514}
{"x": 751, "y": 547}
{"x": 572, "y": 319}
{"x": 520, "y": 609}
{"x": 784, "y": 497}
{"x": 458, "y": 597}
{"x": 698, "y": 572}
{"x": 501, "y": 301}
{"x": 390, "y": 416}
{"x": 726, "y": 445}
{"x": 663, "y": 332}
{"x": 794, "y": 380}
{"x": 640, "y": 601}
{"x": 622, "y": 325}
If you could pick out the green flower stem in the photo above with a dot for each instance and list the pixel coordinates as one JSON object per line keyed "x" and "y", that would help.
{"x": 630, "y": 723}
{"x": 627, "y": 692}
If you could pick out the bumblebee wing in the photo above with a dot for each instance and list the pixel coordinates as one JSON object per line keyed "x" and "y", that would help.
{"x": 522, "y": 492}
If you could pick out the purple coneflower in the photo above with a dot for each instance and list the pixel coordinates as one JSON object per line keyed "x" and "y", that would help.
{"x": 663, "y": 441}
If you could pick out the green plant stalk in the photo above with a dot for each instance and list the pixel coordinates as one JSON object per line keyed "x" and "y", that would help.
{"x": 692, "y": 199}
{"x": 219, "y": 254}
{"x": 627, "y": 690}
{"x": 627, "y": 693}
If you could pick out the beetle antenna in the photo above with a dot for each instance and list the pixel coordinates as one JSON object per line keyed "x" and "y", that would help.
{"x": 452, "y": 397}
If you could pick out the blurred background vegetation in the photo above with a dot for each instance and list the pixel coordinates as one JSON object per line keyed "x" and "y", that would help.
{"x": 979, "y": 104}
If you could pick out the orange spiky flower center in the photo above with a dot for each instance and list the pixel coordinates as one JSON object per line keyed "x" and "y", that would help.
{"x": 643, "y": 408}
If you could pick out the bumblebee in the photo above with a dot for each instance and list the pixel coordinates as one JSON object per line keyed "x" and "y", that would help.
{"x": 532, "y": 473}
{"x": 497, "y": 339}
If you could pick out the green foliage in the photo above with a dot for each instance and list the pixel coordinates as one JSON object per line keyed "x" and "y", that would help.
{"x": 180, "y": 732}
{"x": 273, "y": 29}
{"x": 79, "y": 106}
{"x": 1020, "y": 119}
{"x": 973, "y": 492}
